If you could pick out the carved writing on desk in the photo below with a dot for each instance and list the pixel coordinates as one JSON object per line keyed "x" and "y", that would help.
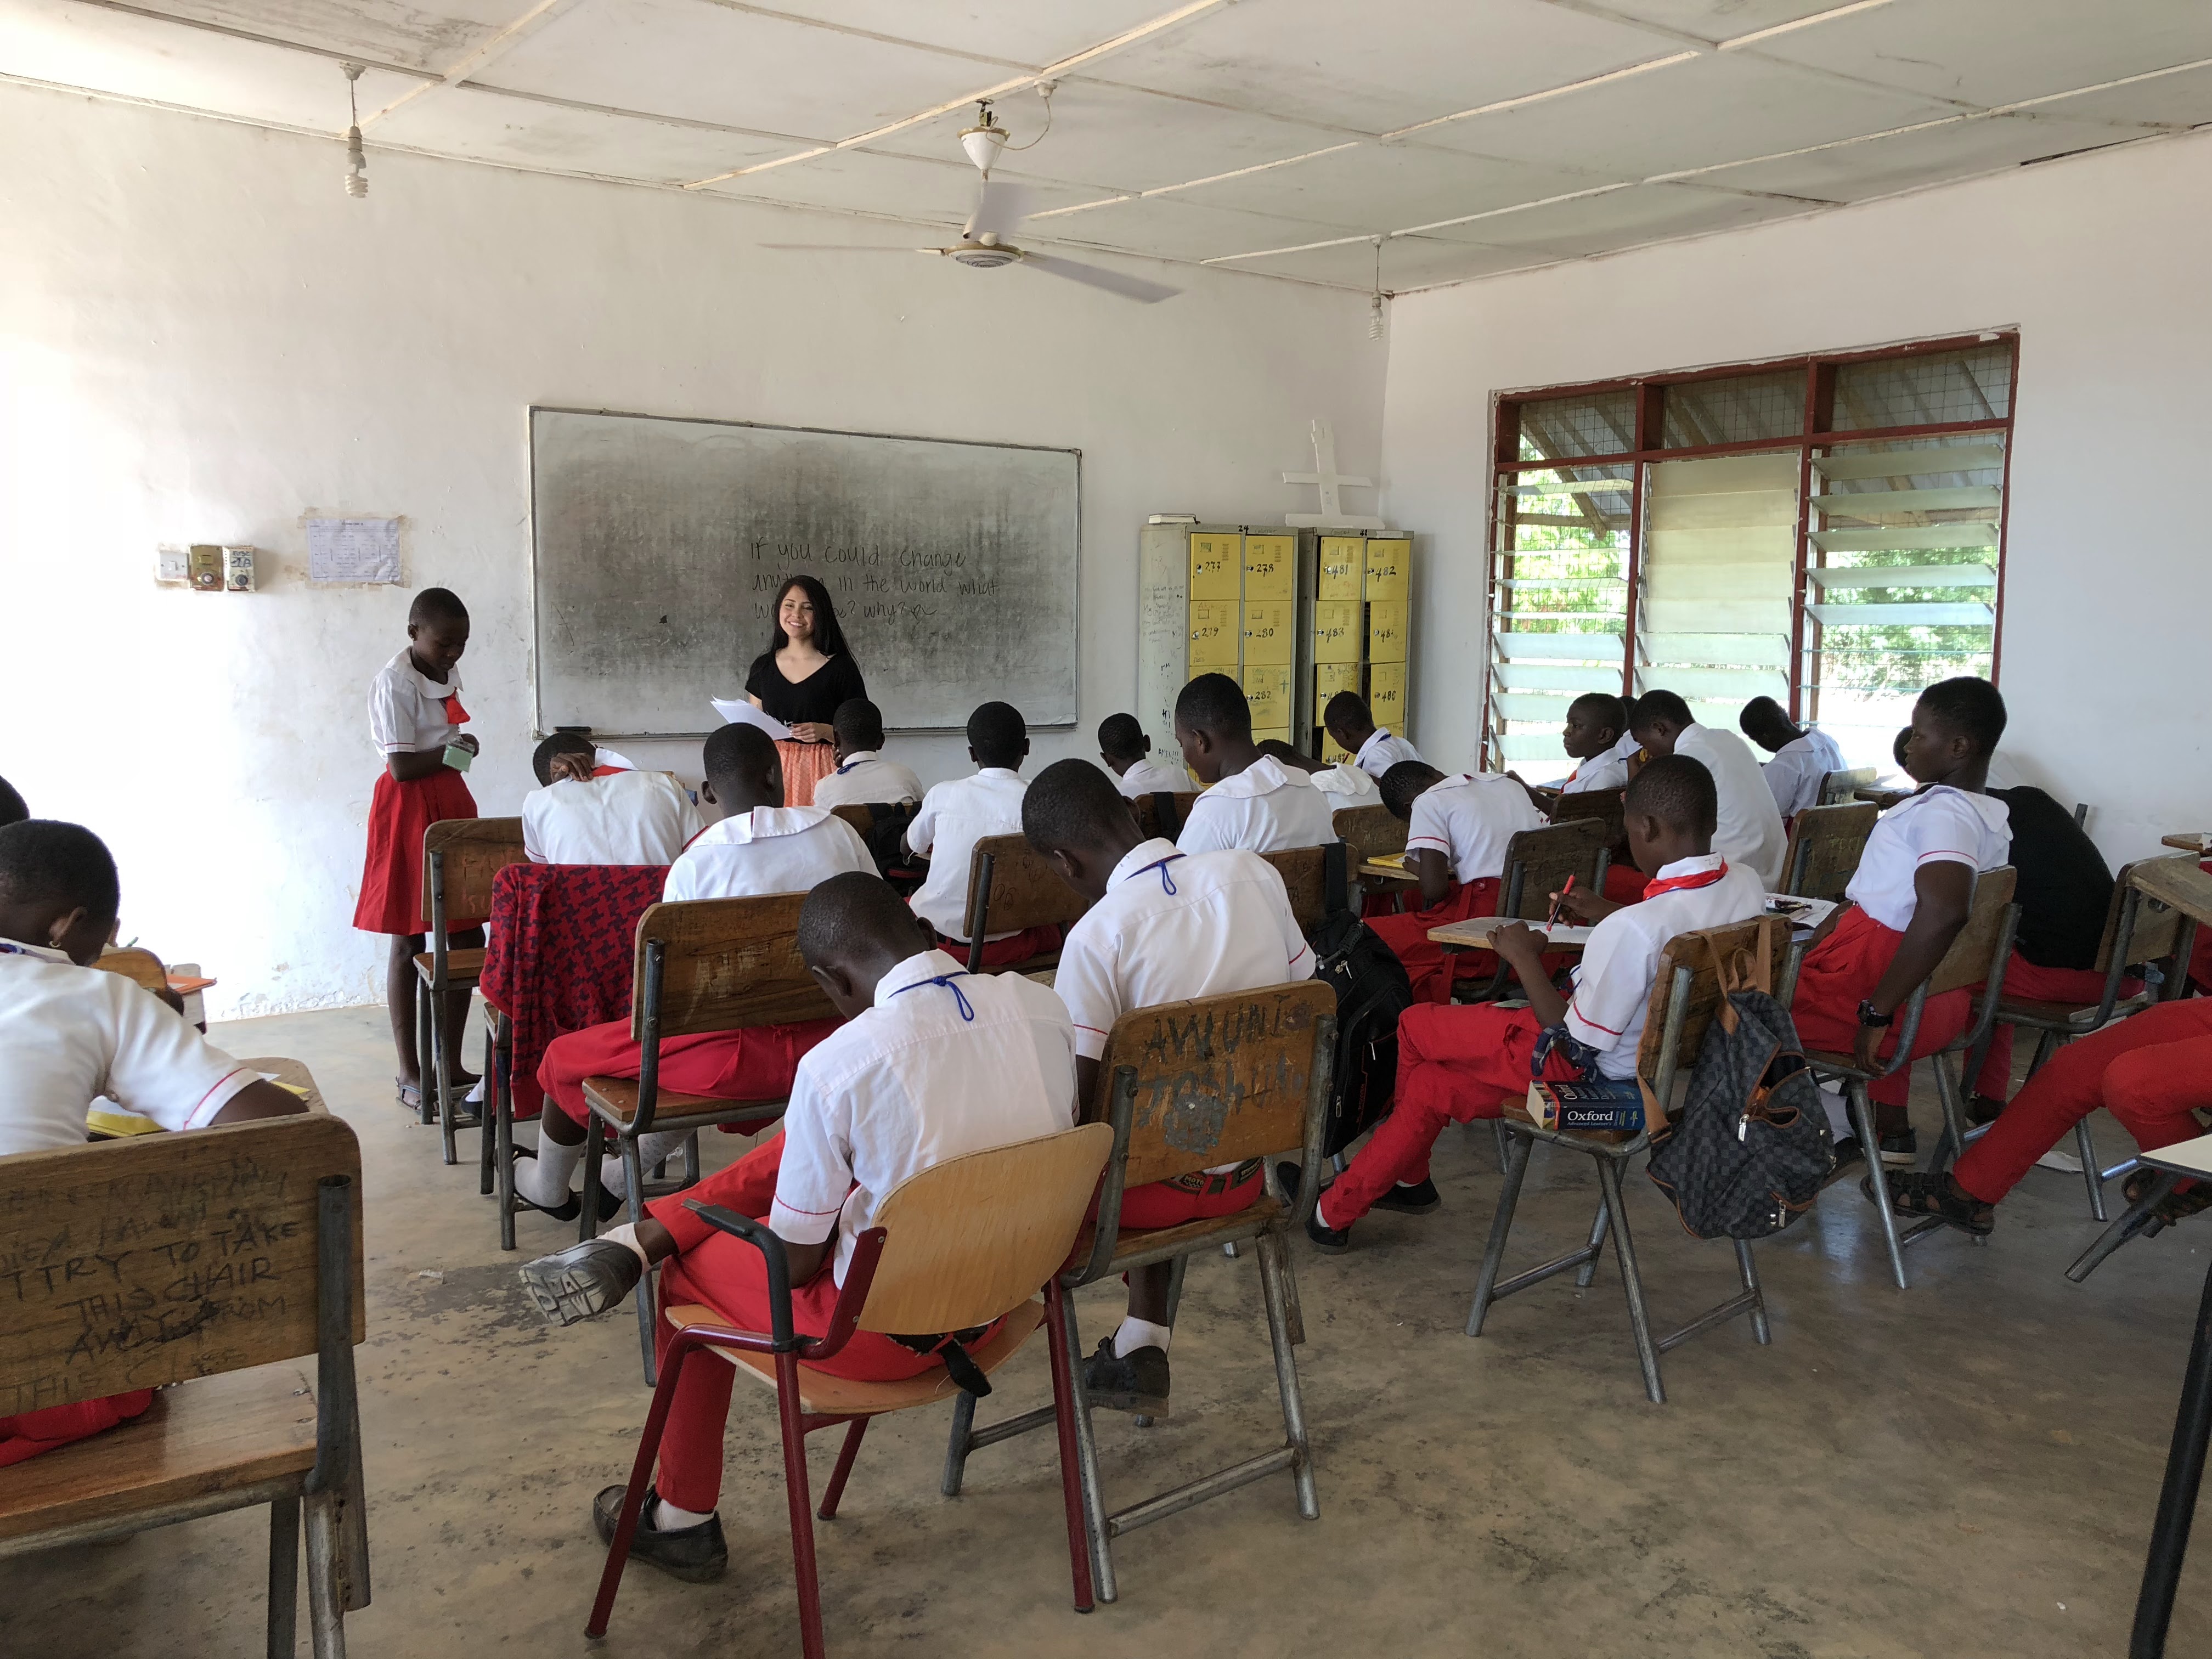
{"x": 1220, "y": 1080}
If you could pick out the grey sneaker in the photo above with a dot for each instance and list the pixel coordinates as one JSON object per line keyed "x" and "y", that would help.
{"x": 584, "y": 1279}
{"x": 697, "y": 1554}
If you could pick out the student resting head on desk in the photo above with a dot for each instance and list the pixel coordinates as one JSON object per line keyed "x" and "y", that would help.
{"x": 582, "y": 815}
{"x": 1457, "y": 830}
{"x": 1373, "y": 748}
{"x": 1456, "y": 1064}
{"x": 1128, "y": 753}
{"x": 71, "y": 1033}
{"x": 1342, "y": 784}
{"x": 1804, "y": 756}
{"x": 863, "y": 777}
{"x": 932, "y": 1063}
{"x": 1248, "y": 801}
{"x": 1163, "y": 926}
{"x": 1750, "y": 834}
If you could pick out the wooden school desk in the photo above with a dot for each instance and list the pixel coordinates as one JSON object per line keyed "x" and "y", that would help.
{"x": 2188, "y": 841}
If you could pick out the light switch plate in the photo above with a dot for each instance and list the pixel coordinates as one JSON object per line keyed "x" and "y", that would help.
{"x": 170, "y": 566}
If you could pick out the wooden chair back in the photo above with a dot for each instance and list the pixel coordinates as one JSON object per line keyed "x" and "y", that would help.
{"x": 723, "y": 965}
{"x": 1218, "y": 1079}
{"x": 1841, "y": 785}
{"x": 1010, "y": 887}
{"x": 975, "y": 1236}
{"x": 1972, "y": 955}
{"x": 862, "y": 818}
{"x": 1370, "y": 832}
{"x": 1539, "y": 861}
{"x": 1604, "y": 804}
{"x": 1303, "y": 871}
{"x": 2154, "y": 933}
{"x": 140, "y": 966}
{"x": 471, "y": 852}
{"x": 1825, "y": 845}
{"x": 1180, "y": 802}
{"x": 1686, "y": 992}
{"x": 138, "y": 1263}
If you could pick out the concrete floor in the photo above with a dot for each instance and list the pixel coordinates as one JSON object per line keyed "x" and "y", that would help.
{"x": 1968, "y": 1468}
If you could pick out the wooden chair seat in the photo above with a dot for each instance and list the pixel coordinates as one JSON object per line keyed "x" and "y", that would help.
{"x": 2061, "y": 1016}
{"x": 214, "y": 1434}
{"x": 462, "y": 967}
{"x": 615, "y": 1097}
{"x": 821, "y": 1394}
{"x": 1135, "y": 1247}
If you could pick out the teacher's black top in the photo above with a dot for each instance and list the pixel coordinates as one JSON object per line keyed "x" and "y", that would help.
{"x": 814, "y": 698}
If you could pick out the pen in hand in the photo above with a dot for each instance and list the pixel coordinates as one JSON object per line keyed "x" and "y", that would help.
{"x": 1558, "y": 900}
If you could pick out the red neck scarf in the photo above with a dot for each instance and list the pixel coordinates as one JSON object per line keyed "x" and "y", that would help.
{"x": 1684, "y": 884}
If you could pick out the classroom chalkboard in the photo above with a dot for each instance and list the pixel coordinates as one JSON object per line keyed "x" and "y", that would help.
{"x": 658, "y": 546}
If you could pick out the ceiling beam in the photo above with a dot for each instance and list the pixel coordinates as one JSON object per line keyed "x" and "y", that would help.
{"x": 536, "y": 18}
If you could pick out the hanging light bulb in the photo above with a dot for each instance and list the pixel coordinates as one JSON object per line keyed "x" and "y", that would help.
{"x": 984, "y": 139}
{"x": 1375, "y": 300}
{"x": 356, "y": 177}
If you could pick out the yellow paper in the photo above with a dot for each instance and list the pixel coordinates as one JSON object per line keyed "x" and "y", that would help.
{"x": 1271, "y": 567}
{"x": 1269, "y": 636}
{"x": 1343, "y": 567}
{"x": 1214, "y": 630}
{"x": 1386, "y": 632}
{"x": 1386, "y": 695}
{"x": 1216, "y": 560}
{"x": 1267, "y": 690}
{"x": 1389, "y": 569}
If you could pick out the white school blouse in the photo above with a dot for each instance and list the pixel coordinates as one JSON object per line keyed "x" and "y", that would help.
{"x": 627, "y": 818}
{"x": 1750, "y": 831}
{"x": 1266, "y": 808}
{"x": 866, "y": 778}
{"x": 1794, "y": 775}
{"x": 406, "y": 712}
{"x": 1150, "y": 777}
{"x": 69, "y": 1035}
{"x": 770, "y": 849}
{"x": 1382, "y": 752}
{"x": 1471, "y": 819}
{"x": 955, "y": 814}
{"x": 1607, "y": 771}
{"x": 1345, "y": 787}
{"x": 1612, "y": 986}
{"x": 1938, "y": 825}
{"x": 932, "y": 1071}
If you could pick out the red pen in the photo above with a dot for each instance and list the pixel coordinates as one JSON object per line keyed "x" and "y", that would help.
{"x": 1552, "y": 920}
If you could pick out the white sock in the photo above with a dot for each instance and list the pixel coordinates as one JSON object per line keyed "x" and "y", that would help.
{"x": 475, "y": 1096}
{"x": 544, "y": 1179}
{"x": 1321, "y": 1210}
{"x": 651, "y": 1149}
{"x": 626, "y": 1235}
{"x": 666, "y": 1518}
{"x": 1839, "y": 1113}
{"x": 1137, "y": 1334}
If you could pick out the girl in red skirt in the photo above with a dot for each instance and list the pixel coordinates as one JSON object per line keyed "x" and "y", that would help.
{"x": 415, "y": 714}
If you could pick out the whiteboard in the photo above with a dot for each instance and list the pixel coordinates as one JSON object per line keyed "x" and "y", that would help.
{"x": 658, "y": 546}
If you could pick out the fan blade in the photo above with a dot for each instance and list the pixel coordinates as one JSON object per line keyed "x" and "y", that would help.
{"x": 999, "y": 207}
{"x": 1129, "y": 288}
{"x": 845, "y": 247}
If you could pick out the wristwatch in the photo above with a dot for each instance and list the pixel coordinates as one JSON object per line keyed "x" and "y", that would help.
{"x": 1867, "y": 1017}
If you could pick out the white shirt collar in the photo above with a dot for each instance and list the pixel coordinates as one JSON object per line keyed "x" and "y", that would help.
{"x": 16, "y": 947}
{"x": 856, "y": 758}
{"x": 1696, "y": 866}
{"x": 1262, "y": 777}
{"x": 404, "y": 662}
{"x": 996, "y": 773}
{"x": 1141, "y": 857}
{"x": 1380, "y": 734}
{"x": 762, "y": 823}
{"x": 914, "y": 970}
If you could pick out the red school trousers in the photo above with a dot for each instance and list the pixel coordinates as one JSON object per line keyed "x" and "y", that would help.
{"x": 2153, "y": 1071}
{"x": 730, "y": 1276}
{"x": 2024, "y": 979}
{"x": 1840, "y": 974}
{"x": 755, "y": 1064}
{"x": 1005, "y": 953}
{"x": 1454, "y": 1065}
{"x": 27, "y": 1434}
{"x": 1408, "y": 936}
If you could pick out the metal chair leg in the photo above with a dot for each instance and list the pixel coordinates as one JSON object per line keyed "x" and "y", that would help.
{"x": 587, "y": 1222}
{"x": 2093, "y": 1172}
{"x": 806, "y": 1576}
{"x": 1230, "y": 1249}
{"x": 1498, "y": 1138}
{"x": 647, "y": 1302}
{"x": 1632, "y": 1281}
{"x": 1286, "y": 1371}
{"x": 1516, "y": 1151}
{"x": 1954, "y": 1138}
{"x": 441, "y": 1062}
{"x": 2132, "y": 1222}
{"x": 1863, "y": 1120}
{"x": 283, "y": 1577}
{"x": 1086, "y": 1458}
{"x": 325, "y": 1604}
{"x": 963, "y": 1426}
{"x": 1588, "y": 1271}
{"x": 485, "y": 1136}
{"x": 1064, "y": 1408}
{"x": 842, "y": 1472}
{"x": 425, "y": 1065}
{"x": 501, "y": 1102}
{"x": 1748, "y": 1270}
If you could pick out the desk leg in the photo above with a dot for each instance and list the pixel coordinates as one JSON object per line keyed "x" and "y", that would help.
{"x": 2177, "y": 1499}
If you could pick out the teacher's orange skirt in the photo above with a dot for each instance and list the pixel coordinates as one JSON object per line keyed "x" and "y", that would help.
{"x": 805, "y": 765}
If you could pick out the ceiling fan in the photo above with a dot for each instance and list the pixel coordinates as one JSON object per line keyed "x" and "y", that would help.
{"x": 987, "y": 239}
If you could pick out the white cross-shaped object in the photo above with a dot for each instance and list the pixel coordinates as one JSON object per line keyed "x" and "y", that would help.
{"x": 1332, "y": 515}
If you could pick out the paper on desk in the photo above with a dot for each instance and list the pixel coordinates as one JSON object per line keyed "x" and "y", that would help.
{"x": 1475, "y": 929}
{"x": 742, "y": 713}
{"x": 1800, "y": 912}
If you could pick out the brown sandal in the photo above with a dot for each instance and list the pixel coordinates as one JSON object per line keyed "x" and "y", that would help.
{"x": 1923, "y": 1194}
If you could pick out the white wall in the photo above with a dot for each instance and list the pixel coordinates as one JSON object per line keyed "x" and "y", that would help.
{"x": 2101, "y": 261}
{"x": 202, "y": 339}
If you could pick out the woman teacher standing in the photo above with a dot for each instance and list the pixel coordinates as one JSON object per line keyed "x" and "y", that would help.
{"x": 806, "y": 672}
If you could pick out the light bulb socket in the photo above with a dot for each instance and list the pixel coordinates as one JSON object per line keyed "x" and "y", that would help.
{"x": 356, "y": 178}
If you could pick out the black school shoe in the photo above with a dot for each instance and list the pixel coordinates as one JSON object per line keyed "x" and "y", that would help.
{"x": 1329, "y": 1241}
{"x": 1418, "y": 1198}
{"x": 1134, "y": 1382}
{"x": 582, "y": 1280}
{"x": 697, "y": 1554}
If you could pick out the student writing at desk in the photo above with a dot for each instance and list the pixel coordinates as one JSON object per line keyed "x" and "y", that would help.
{"x": 1457, "y": 830}
{"x": 1249, "y": 800}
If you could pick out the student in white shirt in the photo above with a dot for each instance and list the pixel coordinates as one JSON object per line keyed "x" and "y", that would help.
{"x": 1457, "y": 830}
{"x": 1342, "y": 784}
{"x": 1249, "y": 800}
{"x": 578, "y": 817}
{"x": 1596, "y": 738}
{"x": 1456, "y": 1064}
{"x": 1165, "y": 926}
{"x": 934, "y": 1063}
{"x": 1373, "y": 749}
{"x": 1804, "y": 756}
{"x": 863, "y": 777}
{"x": 957, "y": 814}
{"x": 1750, "y": 836}
{"x": 71, "y": 1033}
{"x": 1128, "y": 753}
{"x": 1911, "y": 896}
{"x": 760, "y": 846}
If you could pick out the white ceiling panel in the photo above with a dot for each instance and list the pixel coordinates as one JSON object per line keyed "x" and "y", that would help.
{"x": 708, "y": 63}
{"x": 1384, "y": 187}
{"x": 1623, "y": 218}
{"x": 1031, "y": 36}
{"x": 1118, "y": 139}
{"x": 491, "y": 126}
{"x": 1722, "y": 20}
{"x": 1721, "y": 107}
{"x": 1176, "y": 229}
{"x": 1408, "y": 262}
{"x": 1996, "y": 52}
{"x": 853, "y": 180}
{"x": 1377, "y": 66}
{"x": 2180, "y": 100}
{"x": 135, "y": 57}
{"x": 434, "y": 37}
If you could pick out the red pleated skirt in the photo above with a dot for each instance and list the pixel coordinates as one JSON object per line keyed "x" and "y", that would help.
{"x": 392, "y": 875}
{"x": 805, "y": 765}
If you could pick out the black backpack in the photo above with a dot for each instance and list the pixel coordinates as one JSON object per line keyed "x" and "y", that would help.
{"x": 1371, "y": 991}
{"x": 1750, "y": 1151}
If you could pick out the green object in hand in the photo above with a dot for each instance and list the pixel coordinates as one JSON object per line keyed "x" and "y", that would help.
{"x": 457, "y": 757}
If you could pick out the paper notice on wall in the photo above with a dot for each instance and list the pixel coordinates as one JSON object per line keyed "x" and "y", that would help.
{"x": 353, "y": 550}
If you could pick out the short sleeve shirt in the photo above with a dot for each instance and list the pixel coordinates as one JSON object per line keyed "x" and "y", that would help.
{"x": 770, "y": 849}
{"x": 1150, "y": 777}
{"x": 410, "y": 715}
{"x": 1749, "y": 832}
{"x": 624, "y": 817}
{"x": 1266, "y": 808}
{"x": 1794, "y": 774}
{"x": 1471, "y": 819}
{"x": 955, "y": 814}
{"x": 1938, "y": 825}
{"x": 813, "y": 699}
{"x": 1606, "y": 771}
{"x": 866, "y": 778}
{"x": 1382, "y": 752}
{"x": 69, "y": 1035}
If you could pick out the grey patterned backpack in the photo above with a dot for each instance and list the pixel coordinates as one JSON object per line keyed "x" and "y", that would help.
{"x": 1749, "y": 1150}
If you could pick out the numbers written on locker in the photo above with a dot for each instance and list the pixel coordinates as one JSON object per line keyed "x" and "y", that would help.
{"x": 1216, "y": 562}
{"x": 1271, "y": 565}
{"x": 1343, "y": 567}
{"x": 1389, "y": 564}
